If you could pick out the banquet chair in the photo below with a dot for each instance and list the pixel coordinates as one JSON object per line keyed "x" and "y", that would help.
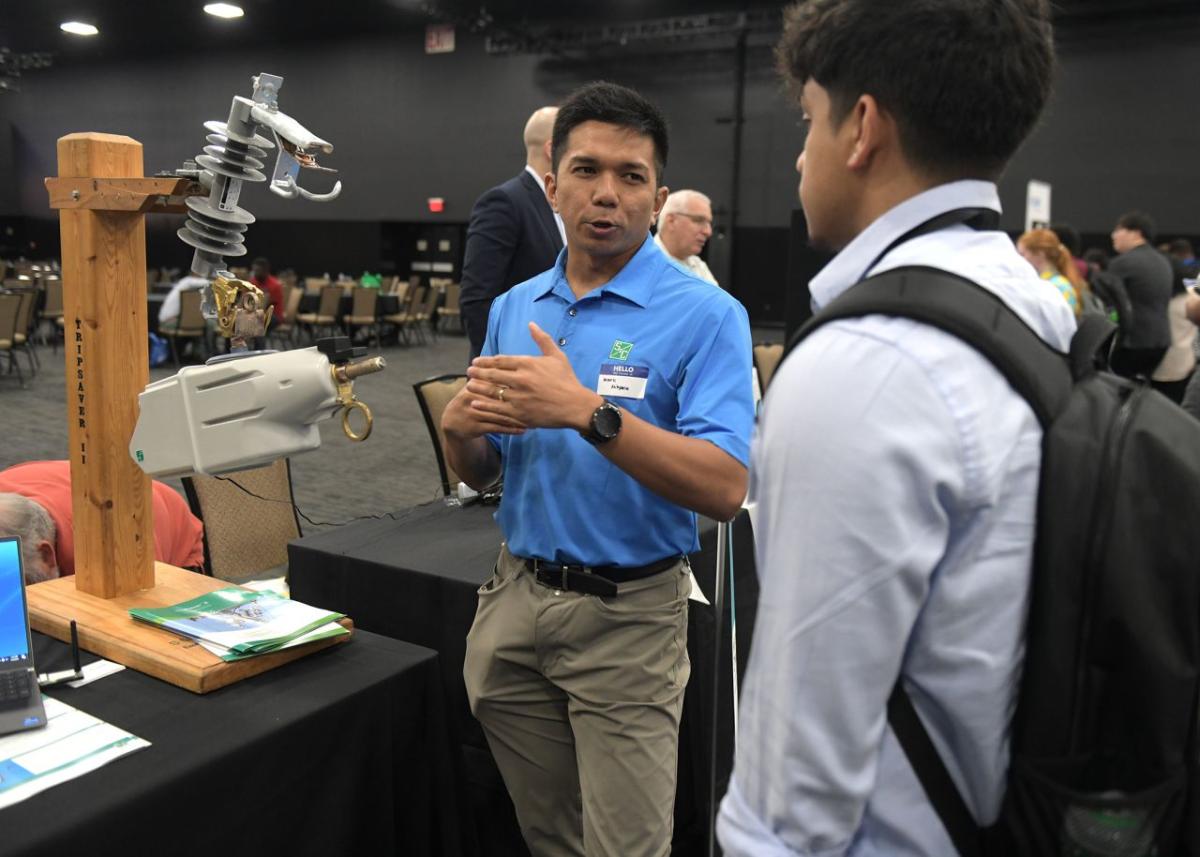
{"x": 433, "y": 394}
{"x": 52, "y": 310}
{"x": 425, "y": 312}
{"x": 406, "y": 319}
{"x": 23, "y": 335}
{"x": 363, "y": 303}
{"x": 451, "y": 309}
{"x": 285, "y": 331}
{"x": 10, "y": 308}
{"x": 326, "y": 314}
{"x": 189, "y": 324}
{"x": 249, "y": 517}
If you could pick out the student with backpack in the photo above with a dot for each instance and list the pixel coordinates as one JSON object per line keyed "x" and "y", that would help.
{"x": 955, "y": 519}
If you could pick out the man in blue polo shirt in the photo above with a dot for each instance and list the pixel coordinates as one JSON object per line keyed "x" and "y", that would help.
{"x": 613, "y": 396}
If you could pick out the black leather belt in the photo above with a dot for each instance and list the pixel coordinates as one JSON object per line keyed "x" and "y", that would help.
{"x": 598, "y": 580}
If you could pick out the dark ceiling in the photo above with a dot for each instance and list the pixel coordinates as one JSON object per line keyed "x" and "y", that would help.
{"x": 132, "y": 28}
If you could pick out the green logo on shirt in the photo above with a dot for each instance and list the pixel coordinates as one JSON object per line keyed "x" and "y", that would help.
{"x": 620, "y": 350}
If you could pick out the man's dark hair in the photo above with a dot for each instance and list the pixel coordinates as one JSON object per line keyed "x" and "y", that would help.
{"x": 261, "y": 260}
{"x": 1067, "y": 236}
{"x": 1182, "y": 248}
{"x": 614, "y": 105}
{"x": 965, "y": 80}
{"x": 1137, "y": 221}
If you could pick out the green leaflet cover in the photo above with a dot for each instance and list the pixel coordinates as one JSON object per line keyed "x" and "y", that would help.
{"x": 240, "y": 620}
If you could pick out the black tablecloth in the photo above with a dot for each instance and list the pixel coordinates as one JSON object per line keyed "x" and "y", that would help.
{"x": 342, "y": 752}
{"x": 415, "y": 578}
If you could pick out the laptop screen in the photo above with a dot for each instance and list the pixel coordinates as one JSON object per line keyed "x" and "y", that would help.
{"x": 14, "y": 632}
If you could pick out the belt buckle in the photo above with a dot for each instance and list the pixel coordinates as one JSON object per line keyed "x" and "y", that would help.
{"x": 548, "y": 569}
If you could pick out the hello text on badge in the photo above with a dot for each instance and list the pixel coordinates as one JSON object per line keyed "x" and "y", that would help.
{"x": 622, "y": 379}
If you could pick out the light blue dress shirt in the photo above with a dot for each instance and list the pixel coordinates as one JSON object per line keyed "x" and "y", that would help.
{"x": 894, "y": 478}
{"x": 563, "y": 500}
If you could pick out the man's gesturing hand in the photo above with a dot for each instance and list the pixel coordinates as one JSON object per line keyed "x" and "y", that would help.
{"x": 463, "y": 421}
{"x": 536, "y": 392}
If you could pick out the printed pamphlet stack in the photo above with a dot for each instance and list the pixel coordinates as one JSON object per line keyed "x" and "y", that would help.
{"x": 237, "y": 623}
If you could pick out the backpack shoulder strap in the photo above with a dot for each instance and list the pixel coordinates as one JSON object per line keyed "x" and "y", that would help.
{"x": 968, "y": 311}
{"x": 932, "y": 773}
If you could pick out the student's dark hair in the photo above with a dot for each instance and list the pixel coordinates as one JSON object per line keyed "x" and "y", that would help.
{"x": 615, "y": 105}
{"x": 1068, "y": 236}
{"x": 1138, "y": 221}
{"x": 965, "y": 80}
{"x": 1182, "y": 247}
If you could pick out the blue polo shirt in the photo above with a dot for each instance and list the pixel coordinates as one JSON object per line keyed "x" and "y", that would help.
{"x": 687, "y": 340}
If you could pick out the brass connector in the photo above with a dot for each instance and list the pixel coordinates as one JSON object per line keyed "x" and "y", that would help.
{"x": 343, "y": 378}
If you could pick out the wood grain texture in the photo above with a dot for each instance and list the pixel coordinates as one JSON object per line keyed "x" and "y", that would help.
{"x": 106, "y": 629}
{"x": 107, "y": 366}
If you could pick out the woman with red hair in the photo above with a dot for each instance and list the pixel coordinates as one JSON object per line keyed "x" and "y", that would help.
{"x": 1053, "y": 261}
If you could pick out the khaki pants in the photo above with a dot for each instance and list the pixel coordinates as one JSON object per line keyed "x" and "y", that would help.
{"x": 579, "y": 697}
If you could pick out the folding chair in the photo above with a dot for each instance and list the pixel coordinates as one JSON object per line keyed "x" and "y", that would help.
{"x": 433, "y": 394}
{"x": 249, "y": 518}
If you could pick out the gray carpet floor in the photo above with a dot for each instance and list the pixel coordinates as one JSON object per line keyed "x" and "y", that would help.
{"x": 394, "y": 469}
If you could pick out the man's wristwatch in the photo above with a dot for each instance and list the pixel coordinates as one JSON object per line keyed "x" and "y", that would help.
{"x": 606, "y": 424}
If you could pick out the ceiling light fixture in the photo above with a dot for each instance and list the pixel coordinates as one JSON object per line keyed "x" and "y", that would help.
{"x": 76, "y": 28}
{"x": 224, "y": 10}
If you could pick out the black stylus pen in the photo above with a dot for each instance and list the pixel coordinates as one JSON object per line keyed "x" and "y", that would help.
{"x": 62, "y": 676}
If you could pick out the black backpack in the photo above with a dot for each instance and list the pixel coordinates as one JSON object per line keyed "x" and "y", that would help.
{"x": 1104, "y": 738}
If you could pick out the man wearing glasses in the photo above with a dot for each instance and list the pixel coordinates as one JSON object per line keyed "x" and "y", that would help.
{"x": 684, "y": 227}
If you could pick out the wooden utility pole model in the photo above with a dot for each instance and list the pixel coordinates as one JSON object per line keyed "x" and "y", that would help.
{"x": 104, "y": 313}
{"x": 103, "y": 198}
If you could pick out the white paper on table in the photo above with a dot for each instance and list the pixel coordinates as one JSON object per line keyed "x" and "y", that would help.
{"x": 221, "y": 651}
{"x": 96, "y": 671}
{"x": 71, "y": 744}
{"x": 278, "y": 585}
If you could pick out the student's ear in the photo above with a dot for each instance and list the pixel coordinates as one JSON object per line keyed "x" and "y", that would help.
{"x": 552, "y": 190}
{"x": 872, "y": 129}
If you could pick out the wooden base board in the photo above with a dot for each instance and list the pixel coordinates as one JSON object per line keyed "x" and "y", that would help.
{"x": 106, "y": 628}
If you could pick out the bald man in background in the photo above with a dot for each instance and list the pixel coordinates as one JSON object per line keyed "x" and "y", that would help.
{"x": 513, "y": 235}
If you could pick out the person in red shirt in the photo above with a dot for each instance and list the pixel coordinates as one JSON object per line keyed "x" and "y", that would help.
{"x": 45, "y": 524}
{"x": 261, "y": 276}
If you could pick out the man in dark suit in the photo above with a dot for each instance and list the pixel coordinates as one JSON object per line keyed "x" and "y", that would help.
{"x": 1148, "y": 279}
{"x": 513, "y": 235}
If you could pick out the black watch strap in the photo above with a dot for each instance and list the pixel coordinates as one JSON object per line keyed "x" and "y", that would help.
{"x": 605, "y": 424}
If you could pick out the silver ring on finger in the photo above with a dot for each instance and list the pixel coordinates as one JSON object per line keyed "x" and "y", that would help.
{"x": 500, "y": 393}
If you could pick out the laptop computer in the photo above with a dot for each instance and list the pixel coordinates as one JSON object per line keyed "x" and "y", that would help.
{"x": 20, "y": 700}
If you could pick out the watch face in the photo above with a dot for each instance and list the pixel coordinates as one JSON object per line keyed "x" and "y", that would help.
{"x": 606, "y": 421}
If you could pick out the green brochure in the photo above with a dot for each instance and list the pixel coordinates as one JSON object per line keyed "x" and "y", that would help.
{"x": 240, "y": 623}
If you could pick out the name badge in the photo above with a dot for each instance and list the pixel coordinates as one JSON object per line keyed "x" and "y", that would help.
{"x": 623, "y": 380}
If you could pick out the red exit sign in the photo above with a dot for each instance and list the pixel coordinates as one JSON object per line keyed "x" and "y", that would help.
{"x": 439, "y": 38}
